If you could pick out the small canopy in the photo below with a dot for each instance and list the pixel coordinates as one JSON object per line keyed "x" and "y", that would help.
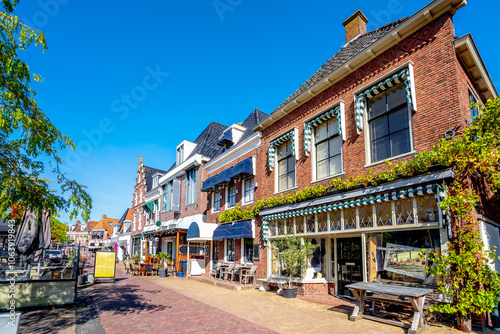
{"x": 200, "y": 231}
{"x": 183, "y": 223}
{"x": 242, "y": 167}
{"x": 225, "y": 139}
{"x": 150, "y": 206}
{"x": 234, "y": 231}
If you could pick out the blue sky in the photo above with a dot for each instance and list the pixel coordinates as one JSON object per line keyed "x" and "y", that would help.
{"x": 124, "y": 79}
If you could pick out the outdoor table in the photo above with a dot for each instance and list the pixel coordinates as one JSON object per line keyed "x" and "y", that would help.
{"x": 415, "y": 295}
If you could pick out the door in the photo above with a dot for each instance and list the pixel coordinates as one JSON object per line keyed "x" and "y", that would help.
{"x": 349, "y": 263}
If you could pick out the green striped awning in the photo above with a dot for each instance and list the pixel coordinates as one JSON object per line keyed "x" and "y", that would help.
{"x": 277, "y": 142}
{"x": 150, "y": 206}
{"x": 335, "y": 112}
{"x": 360, "y": 99}
{"x": 379, "y": 198}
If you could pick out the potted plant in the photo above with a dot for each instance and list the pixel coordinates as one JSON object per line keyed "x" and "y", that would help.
{"x": 136, "y": 258}
{"x": 292, "y": 253}
{"x": 164, "y": 258}
{"x": 46, "y": 262}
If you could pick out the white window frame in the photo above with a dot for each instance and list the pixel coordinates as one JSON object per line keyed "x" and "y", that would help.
{"x": 193, "y": 185}
{"x": 276, "y": 171}
{"x": 167, "y": 197}
{"x": 244, "y": 185}
{"x": 314, "y": 160}
{"x": 135, "y": 221}
{"x": 471, "y": 92}
{"x": 226, "y": 250}
{"x": 214, "y": 200}
{"x": 227, "y": 205}
{"x": 243, "y": 251}
{"x": 179, "y": 155}
{"x": 140, "y": 221}
{"x": 368, "y": 154}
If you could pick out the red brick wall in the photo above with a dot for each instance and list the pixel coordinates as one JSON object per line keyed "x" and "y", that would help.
{"x": 190, "y": 210}
{"x": 432, "y": 52}
{"x": 212, "y": 216}
{"x": 140, "y": 184}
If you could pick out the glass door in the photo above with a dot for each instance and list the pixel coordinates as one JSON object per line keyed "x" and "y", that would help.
{"x": 349, "y": 263}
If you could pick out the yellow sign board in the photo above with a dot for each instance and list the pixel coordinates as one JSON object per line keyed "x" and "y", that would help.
{"x": 105, "y": 264}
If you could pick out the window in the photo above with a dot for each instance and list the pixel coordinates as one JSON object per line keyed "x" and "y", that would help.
{"x": 389, "y": 123}
{"x": 216, "y": 201}
{"x": 474, "y": 110}
{"x": 180, "y": 155}
{"x": 231, "y": 196}
{"x": 155, "y": 181}
{"x": 135, "y": 198}
{"x": 248, "y": 249}
{"x": 140, "y": 221}
{"x": 286, "y": 167}
{"x": 230, "y": 250}
{"x": 135, "y": 221}
{"x": 167, "y": 197}
{"x": 248, "y": 190}
{"x": 191, "y": 186}
{"x": 328, "y": 149}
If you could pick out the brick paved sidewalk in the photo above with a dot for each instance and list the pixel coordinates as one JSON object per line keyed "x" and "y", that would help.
{"x": 137, "y": 305}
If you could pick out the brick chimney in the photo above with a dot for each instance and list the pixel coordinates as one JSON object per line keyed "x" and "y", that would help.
{"x": 355, "y": 25}
{"x": 104, "y": 217}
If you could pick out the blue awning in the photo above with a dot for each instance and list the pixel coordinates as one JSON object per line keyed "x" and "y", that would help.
{"x": 225, "y": 138}
{"x": 243, "y": 167}
{"x": 221, "y": 232}
{"x": 234, "y": 231}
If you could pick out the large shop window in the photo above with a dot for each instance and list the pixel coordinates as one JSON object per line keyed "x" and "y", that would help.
{"x": 230, "y": 250}
{"x": 248, "y": 190}
{"x": 286, "y": 167}
{"x": 248, "y": 250}
{"x": 328, "y": 149}
{"x": 168, "y": 191}
{"x": 216, "y": 200}
{"x": 191, "y": 186}
{"x": 231, "y": 196}
{"x": 390, "y": 122}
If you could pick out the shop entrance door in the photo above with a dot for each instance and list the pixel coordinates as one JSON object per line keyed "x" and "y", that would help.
{"x": 349, "y": 259}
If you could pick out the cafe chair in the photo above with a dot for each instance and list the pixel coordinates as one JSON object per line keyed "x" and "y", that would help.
{"x": 127, "y": 271}
{"x": 134, "y": 269}
{"x": 215, "y": 270}
{"x": 225, "y": 271}
{"x": 236, "y": 270}
{"x": 156, "y": 266}
{"x": 249, "y": 274}
{"x": 148, "y": 270}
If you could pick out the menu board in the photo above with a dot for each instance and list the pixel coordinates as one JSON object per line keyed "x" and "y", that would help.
{"x": 104, "y": 266}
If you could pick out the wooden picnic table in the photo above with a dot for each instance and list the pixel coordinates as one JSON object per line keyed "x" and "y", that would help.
{"x": 415, "y": 295}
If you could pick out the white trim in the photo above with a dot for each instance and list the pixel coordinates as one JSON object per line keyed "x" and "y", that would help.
{"x": 314, "y": 166}
{"x": 235, "y": 152}
{"x": 393, "y": 158}
{"x": 243, "y": 189}
{"x": 180, "y": 170}
{"x": 402, "y": 31}
{"x": 213, "y": 200}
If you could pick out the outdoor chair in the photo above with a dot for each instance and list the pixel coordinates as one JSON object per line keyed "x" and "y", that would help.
{"x": 134, "y": 270}
{"x": 216, "y": 270}
{"x": 58, "y": 274}
{"x": 156, "y": 266}
{"x": 236, "y": 270}
{"x": 127, "y": 272}
{"x": 225, "y": 271}
{"x": 249, "y": 274}
{"x": 148, "y": 270}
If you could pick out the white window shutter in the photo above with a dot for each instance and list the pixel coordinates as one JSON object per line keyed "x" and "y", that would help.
{"x": 413, "y": 91}
{"x": 176, "y": 198}
{"x": 342, "y": 121}
{"x": 295, "y": 143}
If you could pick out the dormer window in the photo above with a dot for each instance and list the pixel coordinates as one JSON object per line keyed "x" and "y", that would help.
{"x": 180, "y": 155}
{"x": 155, "y": 181}
{"x": 231, "y": 136}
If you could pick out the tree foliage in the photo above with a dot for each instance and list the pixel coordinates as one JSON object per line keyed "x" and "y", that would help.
{"x": 27, "y": 135}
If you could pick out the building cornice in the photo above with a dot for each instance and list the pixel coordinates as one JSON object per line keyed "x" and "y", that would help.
{"x": 195, "y": 160}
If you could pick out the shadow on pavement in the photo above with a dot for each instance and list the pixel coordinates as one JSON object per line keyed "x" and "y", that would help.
{"x": 47, "y": 321}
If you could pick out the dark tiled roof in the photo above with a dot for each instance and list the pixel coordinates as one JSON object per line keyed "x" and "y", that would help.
{"x": 346, "y": 53}
{"x": 149, "y": 176}
{"x": 206, "y": 143}
{"x": 252, "y": 120}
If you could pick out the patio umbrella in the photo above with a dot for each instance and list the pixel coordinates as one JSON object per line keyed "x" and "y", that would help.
{"x": 26, "y": 241}
{"x": 45, "y": 235}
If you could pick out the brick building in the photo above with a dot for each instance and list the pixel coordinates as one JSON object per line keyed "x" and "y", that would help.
{"x": 230, "y": 183}
{"x": 388, "y": 94}
{"x": 141, "y": 214}
{"x": 182, "y": 203}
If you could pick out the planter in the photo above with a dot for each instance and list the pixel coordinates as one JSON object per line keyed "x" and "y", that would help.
{"x": 162, "y": 272}
{"x": 465, "y": 325}
{"x": 90, "y": 278}
{"x": 289, "y": 293}
{"x": 82, "y": 279}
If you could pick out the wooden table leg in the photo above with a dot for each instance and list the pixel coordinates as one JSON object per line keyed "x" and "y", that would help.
{"x": 418, "y": 325}
{"x": 359, "y": 309}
